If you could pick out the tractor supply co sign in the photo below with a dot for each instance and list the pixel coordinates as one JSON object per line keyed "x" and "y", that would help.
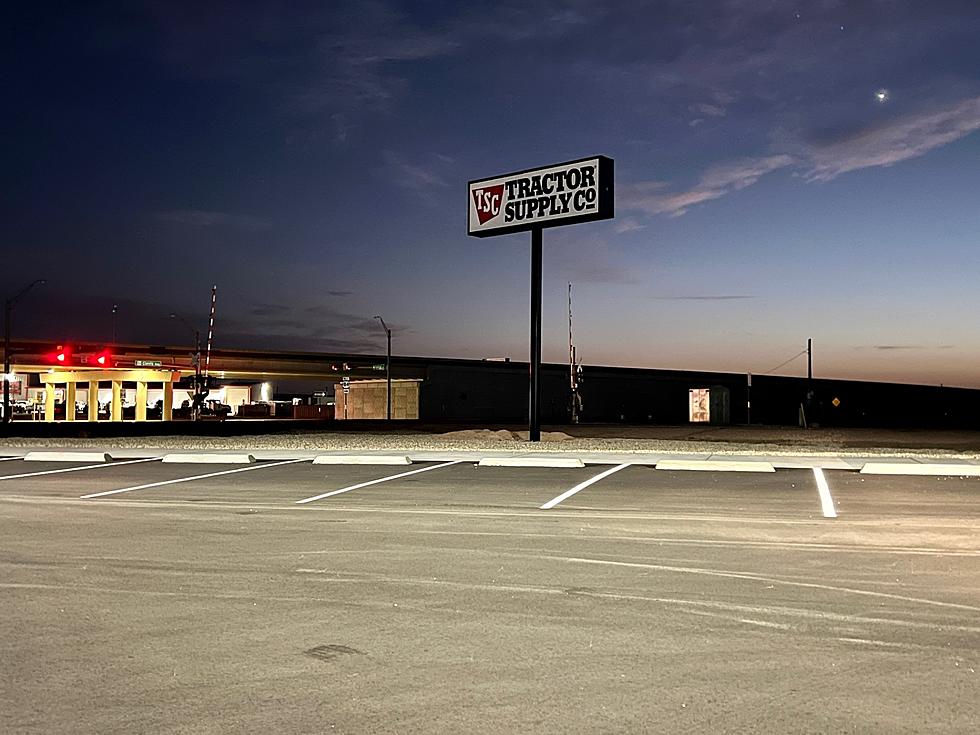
{"x": 563, "y": 194}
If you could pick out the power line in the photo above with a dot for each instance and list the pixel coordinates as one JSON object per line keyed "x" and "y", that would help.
{"x": 798, "y": 354}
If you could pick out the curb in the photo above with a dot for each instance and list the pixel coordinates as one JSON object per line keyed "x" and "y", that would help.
{"x": 365, "y": 459}
{"x": 67, "y": 457}
{"x": 714, "y": 465}
{"x": 531, "y": 462}
{"x": 208, "y": 459}
{"x": 934, "y": 469}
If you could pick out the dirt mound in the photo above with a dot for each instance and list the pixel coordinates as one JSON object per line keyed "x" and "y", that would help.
{"x": 501, "y": 435}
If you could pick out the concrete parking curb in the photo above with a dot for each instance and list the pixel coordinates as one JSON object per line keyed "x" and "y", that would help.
{"x": 366, "y": 459}
{"x": 531, "y": 462}
{"x": 932, "y": 469}
{"x": 67, "y": 457}
{"x": 208, "y": 459}
{"x": 714, "y": 465}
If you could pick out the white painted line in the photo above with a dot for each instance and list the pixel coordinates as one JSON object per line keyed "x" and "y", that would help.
{"x": 714, "y": 465}
{"x": 104, "y": 465}
{"x": 195, "y": 477}
{"x": 582, "y": 485}
{"x": 826, "y": 501}
{"x": 375, "y": 482}
{"x": 935, "y": 469}
{"x": 208, "y": 459}
{"x": 367, "y": 459}
{"x": 67, "y": 457}
{"x": 763, "y": 578}
{"x": 531, "y": 462}
{"x": 8, "y": 459}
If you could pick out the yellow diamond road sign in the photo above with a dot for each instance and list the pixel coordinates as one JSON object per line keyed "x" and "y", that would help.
{"x": 836, "y": 402}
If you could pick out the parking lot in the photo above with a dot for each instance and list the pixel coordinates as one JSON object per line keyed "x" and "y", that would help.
{"x": 288, "y": 596}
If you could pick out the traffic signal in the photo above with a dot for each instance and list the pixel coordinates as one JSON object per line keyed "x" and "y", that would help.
{"x": 62, "y": 355}
{"x": 104, "y": 358}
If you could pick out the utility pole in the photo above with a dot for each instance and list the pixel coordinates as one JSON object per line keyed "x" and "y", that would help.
{"x": 809, "y": 381}
{"x": 115, "y": 310}
{"x": 572, "y": 366}
{"x": 387, "y": 361}
{"x": 8, "y": 307}
{"x": 748, "y": 399}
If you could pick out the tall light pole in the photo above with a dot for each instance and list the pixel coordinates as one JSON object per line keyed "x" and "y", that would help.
{"x": 115, "y": 310}
{"x": 8, "y": 307}
{"x": 387, "y": 361}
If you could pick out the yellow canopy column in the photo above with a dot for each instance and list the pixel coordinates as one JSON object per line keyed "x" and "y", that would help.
{"x": 141, "y": 400}
{"x": 49, "y": 391}
{"x": 93, "y": 400}
{"x": 71, "y": 393}
{"x": 168, "y": 402}
{"x": 115, "y": 412}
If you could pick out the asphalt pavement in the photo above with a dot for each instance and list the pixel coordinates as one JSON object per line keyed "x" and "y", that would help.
{"x": 441, "y": 596}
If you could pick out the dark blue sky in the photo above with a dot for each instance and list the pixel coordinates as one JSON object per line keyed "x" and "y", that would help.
{"x": 784, "y": 171}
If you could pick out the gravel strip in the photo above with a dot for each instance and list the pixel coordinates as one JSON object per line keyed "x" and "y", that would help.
{"x": 365, "y": 442}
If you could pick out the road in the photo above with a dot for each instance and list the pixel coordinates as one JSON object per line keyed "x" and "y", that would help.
{"x": 448, "y": 600}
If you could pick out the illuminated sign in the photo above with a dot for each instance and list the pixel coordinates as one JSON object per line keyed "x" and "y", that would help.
{"x": 562, "y": 194}
{"x": 699, "y": 408}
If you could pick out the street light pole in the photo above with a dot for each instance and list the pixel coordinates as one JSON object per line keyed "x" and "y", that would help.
{"x": 115, "y": 309}
{"x": 387, "y": 361}
{"x": 8, "y": 307}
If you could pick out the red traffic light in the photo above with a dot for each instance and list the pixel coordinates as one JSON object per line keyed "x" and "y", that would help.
{"x": 104, "y": 358}
{"x": 61, "y": 355}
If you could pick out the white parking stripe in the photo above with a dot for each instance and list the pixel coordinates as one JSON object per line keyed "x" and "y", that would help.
{"x": 826, "y": 502}
{"x": 195, "y": 477}
{"x": 8, "y": 459}
{"x": 375, "y": 482}
{"x": 102, "y": 465}
{"x": 582, "y": 485}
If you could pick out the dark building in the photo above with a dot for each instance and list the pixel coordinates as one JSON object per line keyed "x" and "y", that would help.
{"x": 457, "y": 390}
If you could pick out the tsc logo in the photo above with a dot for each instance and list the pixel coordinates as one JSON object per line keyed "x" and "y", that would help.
{"x": 488, "y": 201}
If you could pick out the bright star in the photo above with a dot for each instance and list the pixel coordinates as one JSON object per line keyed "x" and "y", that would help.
{"x": 882, "y": 95}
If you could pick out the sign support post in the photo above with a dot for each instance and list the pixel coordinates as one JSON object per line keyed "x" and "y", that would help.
{"x": 561, "y": 194}
{"x": 534, "y": 424}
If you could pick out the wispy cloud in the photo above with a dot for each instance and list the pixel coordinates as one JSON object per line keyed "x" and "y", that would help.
{"x": 651, "y": 196}
{"x": 266, "y": 310}
{"x": 723, "y": 297}
{"x": 424, "y": 178}
{"x": 709, "y": 110}
{"x": 311, "y": 327}
{"x": 205, "y": 218}
{"x": 912, "y": 347}
{"x": 628, "y": 224}
{"x": 883, "y": 145}
{"x": 895, "y": 141}
{"x": 412, "y": 175}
